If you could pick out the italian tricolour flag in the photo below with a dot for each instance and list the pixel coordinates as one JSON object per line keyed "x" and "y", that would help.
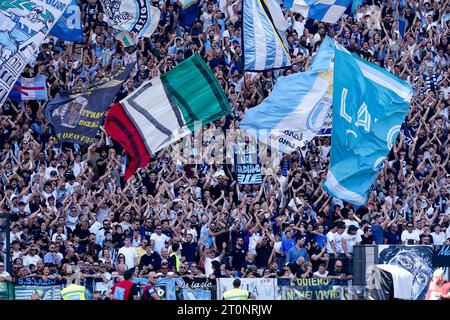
{"x": 164, "y": 109}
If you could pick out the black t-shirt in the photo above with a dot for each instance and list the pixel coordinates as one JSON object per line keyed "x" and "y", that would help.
{"x": 73, "y": 259}
{"x": 82, "y": 234}
{"x": 367, "y": 240}
{"x": 154, "y": 259}
{"x": 314, "y": 251}
{"x": 188, "y": 251}
{"x": 238, "y": 255}
{"x": 263, "y": 254}
{"x": 296, "y": 269}
{"x": 338, "y": 282}
{"x": 393, "y": 238}
{"x": 101, "y": 167}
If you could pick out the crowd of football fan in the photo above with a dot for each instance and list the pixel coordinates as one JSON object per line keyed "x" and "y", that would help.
{"x": 70, "y": 207}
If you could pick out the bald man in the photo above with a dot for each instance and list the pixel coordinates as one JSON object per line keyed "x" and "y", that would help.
{"x": 149, "y": 292}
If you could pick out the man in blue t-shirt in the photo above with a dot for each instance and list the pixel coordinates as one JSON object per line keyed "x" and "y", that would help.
{"x": 392, "y": 235}
{"x": 378, "y": 228}
{"x": 297, "y": 251}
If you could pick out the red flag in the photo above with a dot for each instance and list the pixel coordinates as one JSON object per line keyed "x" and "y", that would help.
{"x": 122, "y": 129}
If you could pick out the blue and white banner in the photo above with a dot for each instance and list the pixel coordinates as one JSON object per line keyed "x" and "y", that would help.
{"x": 23, "y": 26}
{"x": 189, "y": 12}
{"x": 69, "y": 26}
{"x": 328, "y": 11}
{"x": 29, "y": 89}
{"x": 137, "y": 16}
{"x": 408, "y": 138}
{"x": 370, "y": 105}
{"x": 263, "y": 35}
{"x": 297, "y": 107}
{"x": 402, "y": 25}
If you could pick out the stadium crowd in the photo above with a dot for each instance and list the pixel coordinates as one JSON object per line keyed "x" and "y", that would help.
{"x": 70, "y": 207}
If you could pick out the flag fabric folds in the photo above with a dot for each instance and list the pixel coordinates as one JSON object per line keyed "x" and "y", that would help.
{"x": 189, "y": 12}
{"x": 29, "y": 89}
{"x": 328, "y": 11}
{"x": 69, "y": 26}
{"x": 370, "y": 105}
{"x": 296, "y": 109}
{"x": 139, "y": 17}
{"x": 125, "y": 38}
{"x": 263, "y": 36}
{"x": 76, "y": 116}
{"x": 23, "y": 27}
{"x": 165, "y": 109}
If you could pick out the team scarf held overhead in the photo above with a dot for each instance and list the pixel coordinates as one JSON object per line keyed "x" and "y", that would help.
{"x": 369, "y": 107}
{"x": 164, "y": 109}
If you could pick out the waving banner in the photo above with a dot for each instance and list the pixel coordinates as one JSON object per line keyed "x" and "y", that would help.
{"x": 69, "y": 26}
{"x": 23, "y": 26}
{"x": 76, "y": 117}
{"x": 137, "y": 16}
{"x": 370, "y": 105}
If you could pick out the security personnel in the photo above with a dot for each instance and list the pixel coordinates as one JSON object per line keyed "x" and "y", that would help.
{"x": 73, "y": 292}
{"x": 174, "y": 260}
{"x": 126, "y": 289}
{"x": 236, "y": 293}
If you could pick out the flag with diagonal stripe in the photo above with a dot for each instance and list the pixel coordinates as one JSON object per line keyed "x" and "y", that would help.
{"x": 164, "y": 109}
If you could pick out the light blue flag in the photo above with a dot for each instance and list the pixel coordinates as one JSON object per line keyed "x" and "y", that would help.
{"x": 369, "y": 106}
{"x": 328, "y": 11}
{"x": 323, "y": 59}
{"x": 296, "y": 109}
{"x": 263, "y": 31}
{"x": 69, "y": 26}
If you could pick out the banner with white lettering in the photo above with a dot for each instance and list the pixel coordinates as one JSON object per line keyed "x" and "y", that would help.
{"x": 49, "y": 289}
{"x": 24, "y": 25}
{"x": 248, "y": 168}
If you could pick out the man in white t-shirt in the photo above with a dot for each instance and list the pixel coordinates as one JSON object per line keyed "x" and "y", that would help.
{"x": 210, "y": 257}
{"x": 32, "y": 257}
{"x": 438, "y": 235}
{"x": 330, "y": 246}
{"x": 158, "y": 239}
{"x": 4, "y": 276}
{"x": 129, "y": 252}
{"x": 322, "y": 273}
{"x": 339, "y": 238}
{"x": 188, "y": 230}
{"x": 410, "y": 236}
{"x": 352, "y": 238}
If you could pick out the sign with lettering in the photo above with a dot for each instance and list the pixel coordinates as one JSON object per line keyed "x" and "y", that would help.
{"x": 248, "y": 168}
{"x": 261, "y": 288}
{"x": 50, "y": 292}
{"x": 309, "y": 289}
{"x": 77, "y": 116}
{"x": 441, "y": 256}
